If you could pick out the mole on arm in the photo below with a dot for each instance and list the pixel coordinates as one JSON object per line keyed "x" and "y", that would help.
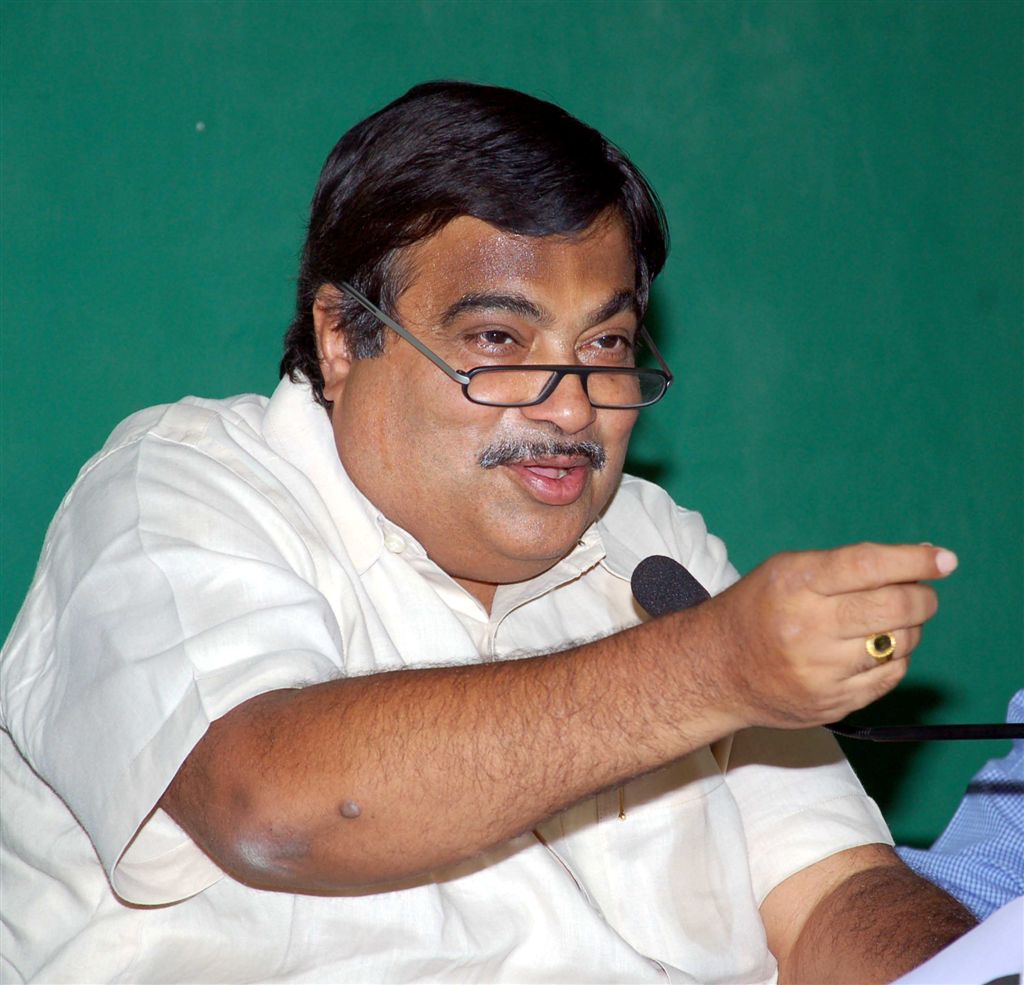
{"x": 350, "y": 809}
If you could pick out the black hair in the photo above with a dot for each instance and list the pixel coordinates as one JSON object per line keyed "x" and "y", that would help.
{"x": 443, "y": 150}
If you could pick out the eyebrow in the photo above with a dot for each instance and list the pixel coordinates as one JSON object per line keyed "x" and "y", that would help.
{"x": 619, "y": 302}
{"x": 519, "y": 304}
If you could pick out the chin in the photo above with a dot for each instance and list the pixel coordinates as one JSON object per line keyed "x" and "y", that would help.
{"x": 533, "y": 558}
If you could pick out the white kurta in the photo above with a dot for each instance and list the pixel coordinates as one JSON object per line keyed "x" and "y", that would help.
{"x": 215, "y": 550}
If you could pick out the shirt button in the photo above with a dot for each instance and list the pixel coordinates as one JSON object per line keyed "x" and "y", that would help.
{"x": 394, "y": 543}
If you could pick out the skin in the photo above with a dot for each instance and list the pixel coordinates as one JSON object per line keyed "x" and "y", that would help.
{"x": 842, "y": 920}
{"x": 485, "y": 526}
{"x": 269, "y": 791}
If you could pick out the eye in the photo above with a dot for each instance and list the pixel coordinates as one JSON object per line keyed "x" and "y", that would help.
{"x": 496, "y": 337}
{"x": 613, "y": 342}
{"x": 492, "y": 342}
{"x": 611, "y": 347}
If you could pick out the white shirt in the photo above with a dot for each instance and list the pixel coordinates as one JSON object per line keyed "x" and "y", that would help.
{"x": 216, "y": 550}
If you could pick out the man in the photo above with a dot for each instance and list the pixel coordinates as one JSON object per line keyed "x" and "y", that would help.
{"x": 350, "y": 685}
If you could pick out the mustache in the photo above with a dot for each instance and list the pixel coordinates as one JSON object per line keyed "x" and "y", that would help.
{"x": 505, "y": 451}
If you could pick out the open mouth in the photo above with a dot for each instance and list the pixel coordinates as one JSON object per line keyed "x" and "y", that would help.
{"x": 553, "y": 482}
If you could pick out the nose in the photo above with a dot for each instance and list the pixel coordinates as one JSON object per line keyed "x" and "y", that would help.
{"x": 568, "y": 406}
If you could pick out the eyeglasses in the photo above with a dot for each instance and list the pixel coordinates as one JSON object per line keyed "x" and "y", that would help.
{"x": 607, "y": 387}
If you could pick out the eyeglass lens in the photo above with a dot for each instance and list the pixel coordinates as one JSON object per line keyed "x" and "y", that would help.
{"x": 509, "y": 386}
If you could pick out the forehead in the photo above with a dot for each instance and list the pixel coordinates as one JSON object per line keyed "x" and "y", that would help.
{"x": 470, "y": 256}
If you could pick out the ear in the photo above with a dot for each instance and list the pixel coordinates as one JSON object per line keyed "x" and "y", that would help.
{"x": 331, "y": 347}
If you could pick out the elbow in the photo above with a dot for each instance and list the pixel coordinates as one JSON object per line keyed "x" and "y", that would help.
{"x": 258, "y": 817}
{"x": 269, "y": 850}
{"x": 261, "y": 842}
{"x": 253, "y": 841}
{"x": 264, "y": 858}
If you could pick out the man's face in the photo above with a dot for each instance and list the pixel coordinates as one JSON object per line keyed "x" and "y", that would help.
{"x": 413, "y": 443}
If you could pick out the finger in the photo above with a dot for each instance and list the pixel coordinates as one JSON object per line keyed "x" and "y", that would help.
{"x": 859, "y": 613}
{"x": 881, "y": 678}
{"x": 861, "y": 567}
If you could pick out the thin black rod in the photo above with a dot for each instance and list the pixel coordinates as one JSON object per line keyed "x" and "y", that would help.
{"x": 928, "y": 733}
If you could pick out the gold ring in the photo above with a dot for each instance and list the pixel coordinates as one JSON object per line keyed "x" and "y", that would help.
{"x": 880, "y": 646}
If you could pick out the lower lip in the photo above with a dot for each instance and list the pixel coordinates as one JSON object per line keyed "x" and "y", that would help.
{"x": 552, "y": 492}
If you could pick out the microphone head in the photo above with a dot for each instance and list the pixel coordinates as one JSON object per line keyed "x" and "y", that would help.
{"x": 662, "y": 585}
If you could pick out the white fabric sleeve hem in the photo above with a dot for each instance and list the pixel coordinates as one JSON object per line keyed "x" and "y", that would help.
{"x": 159, "y": 863}
{"x": 833, "y": 827}
{"x": 162, "y": 865}
{"x": 800, "y": 802}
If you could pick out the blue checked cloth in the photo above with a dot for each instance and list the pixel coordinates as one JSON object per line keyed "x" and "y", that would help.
{"x": 979, "y": 858}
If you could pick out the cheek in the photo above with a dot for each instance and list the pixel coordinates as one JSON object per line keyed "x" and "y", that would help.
{"x": 615, "y": 432}
{"x": 426, "y": 425}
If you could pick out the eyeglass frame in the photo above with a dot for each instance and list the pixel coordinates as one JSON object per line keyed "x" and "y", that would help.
{"x": 558, "y": 372}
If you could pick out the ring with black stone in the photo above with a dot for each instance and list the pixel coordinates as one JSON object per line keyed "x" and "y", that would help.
{"x": 880, "y": 646}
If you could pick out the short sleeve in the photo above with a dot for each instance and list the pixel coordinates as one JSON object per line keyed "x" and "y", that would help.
{"x": 799, "y": 800}
{"x": 171, "y": 589}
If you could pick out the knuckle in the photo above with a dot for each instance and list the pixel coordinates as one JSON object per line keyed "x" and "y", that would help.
{"x": 918, "y": 603}
{"x": 791, "y": 631}
{"x": 901, "y": 607}
{"x": 864, "y": 560}
{"x": 785, "y": 572}
{"x": 853, "y": 610}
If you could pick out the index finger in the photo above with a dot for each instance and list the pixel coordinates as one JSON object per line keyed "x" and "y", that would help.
{"x": 861, "y": 567}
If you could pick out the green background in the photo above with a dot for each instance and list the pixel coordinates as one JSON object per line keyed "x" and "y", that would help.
{"x": 842, "y": 305}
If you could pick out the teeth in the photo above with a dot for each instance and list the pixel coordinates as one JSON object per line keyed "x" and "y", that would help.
{"x": 549, "y": 472}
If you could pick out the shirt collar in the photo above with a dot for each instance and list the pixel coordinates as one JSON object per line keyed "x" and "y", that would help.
{"x": 619, "y": 558}
{"x": 298, "y": 428}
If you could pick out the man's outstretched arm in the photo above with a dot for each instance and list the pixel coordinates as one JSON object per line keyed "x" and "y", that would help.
{"x": 369, "y": 780}
{"x": 860, "y": 916}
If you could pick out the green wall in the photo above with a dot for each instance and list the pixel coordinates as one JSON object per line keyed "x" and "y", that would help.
{"x": 842, "y": 305}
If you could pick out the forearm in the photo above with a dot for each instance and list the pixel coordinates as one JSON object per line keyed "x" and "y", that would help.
{"x": 440, "y": 763}
{"x": 877, "y": 925}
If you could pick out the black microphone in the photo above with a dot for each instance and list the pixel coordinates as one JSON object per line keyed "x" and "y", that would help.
{"x": 662, "y": 585}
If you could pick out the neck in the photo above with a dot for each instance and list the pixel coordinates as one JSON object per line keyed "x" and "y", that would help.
{"x": 482, "y": 591}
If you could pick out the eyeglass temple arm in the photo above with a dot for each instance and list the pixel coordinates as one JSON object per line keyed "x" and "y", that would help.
{"x": 408, "y": 336}
{"x": 657, "y": 354}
